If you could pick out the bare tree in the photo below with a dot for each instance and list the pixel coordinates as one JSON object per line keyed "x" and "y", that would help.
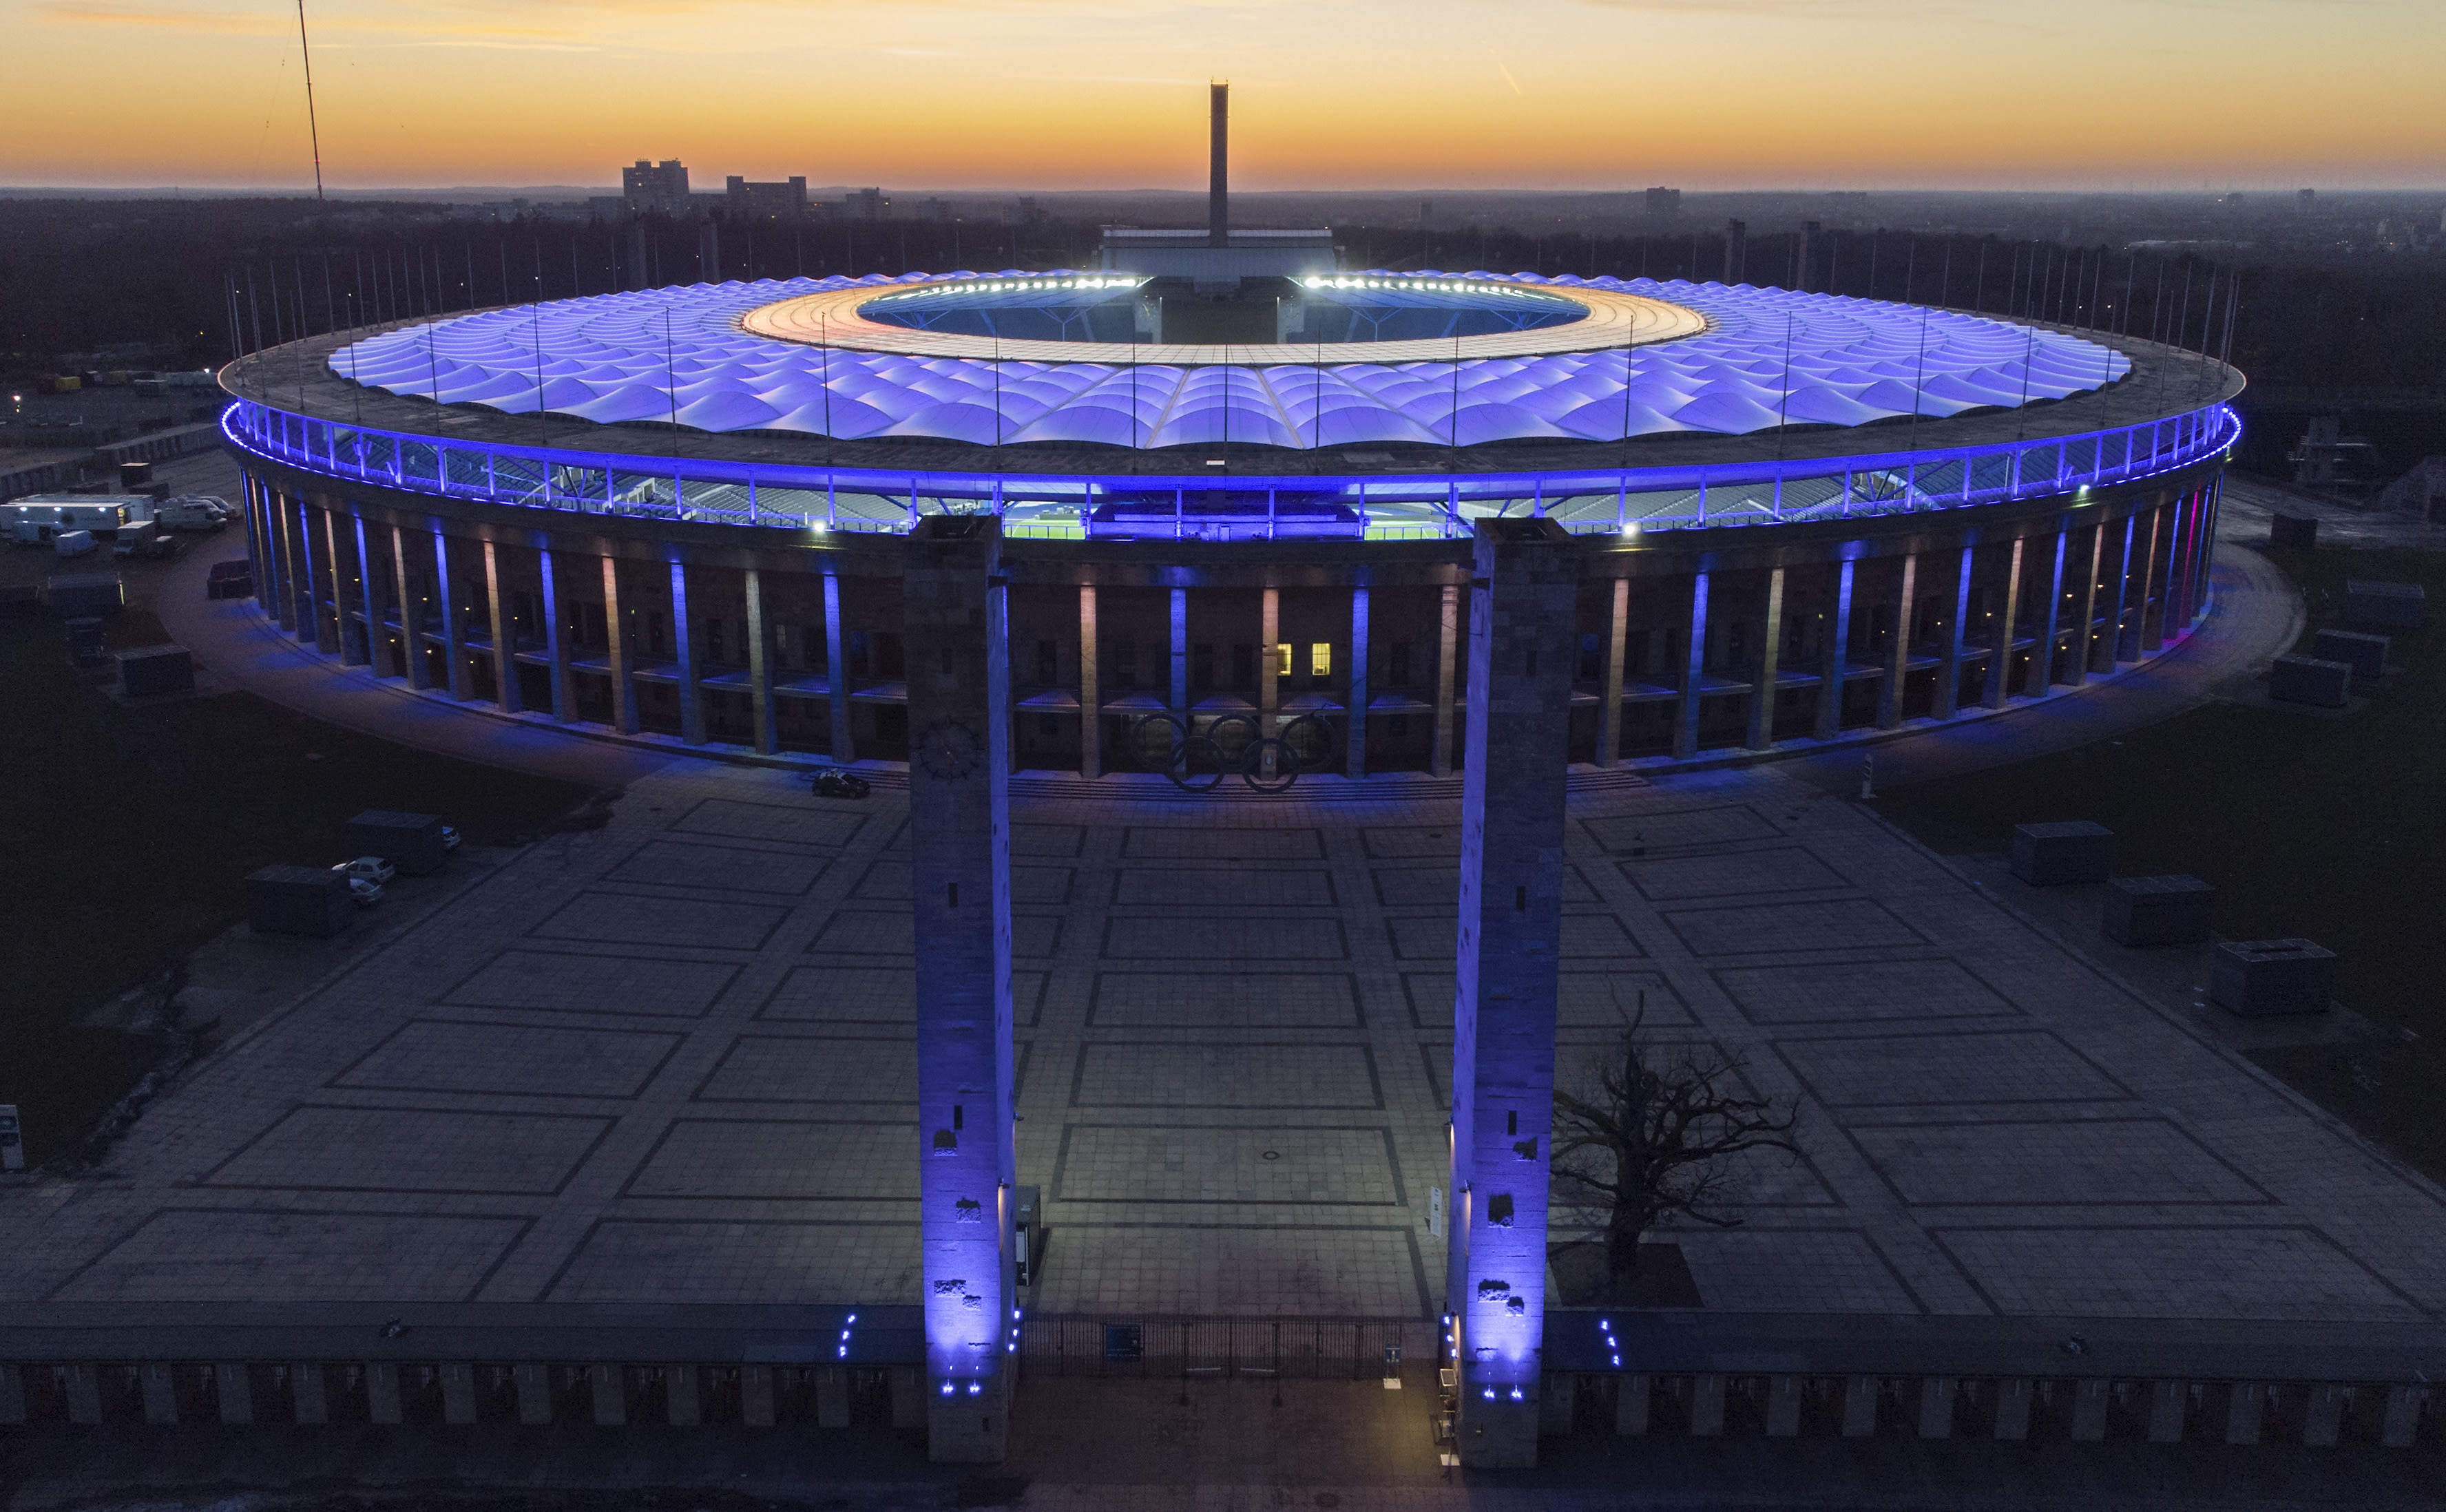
{"x": 1656, "y": 1140}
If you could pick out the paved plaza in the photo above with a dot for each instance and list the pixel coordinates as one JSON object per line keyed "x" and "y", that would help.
{"x": 672, "y": 1061}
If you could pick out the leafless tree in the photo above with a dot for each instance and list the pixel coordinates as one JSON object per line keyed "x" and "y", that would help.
{"x": 1656, "y": 1139}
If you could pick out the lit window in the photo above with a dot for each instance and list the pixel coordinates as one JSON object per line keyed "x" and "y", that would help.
{"x": 1320, "y": 660}
{"x": 1283, "y": 660}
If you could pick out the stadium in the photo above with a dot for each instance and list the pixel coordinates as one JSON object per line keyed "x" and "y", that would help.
{"x": 1238, "y": 483}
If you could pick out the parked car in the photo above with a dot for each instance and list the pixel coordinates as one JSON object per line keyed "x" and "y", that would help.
{"x": 368, "y": 868}
{"x": 364, "y": 894}
{"x": 837, "y": 782}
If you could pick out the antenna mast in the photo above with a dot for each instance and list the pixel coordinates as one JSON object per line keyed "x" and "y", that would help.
{"x": 313, "y": 134}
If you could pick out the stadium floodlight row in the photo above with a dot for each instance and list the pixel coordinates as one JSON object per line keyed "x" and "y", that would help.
{"x": 680, "y": 511}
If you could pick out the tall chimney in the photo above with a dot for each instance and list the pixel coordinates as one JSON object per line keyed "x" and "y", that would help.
{"x": 1218, "y": 188}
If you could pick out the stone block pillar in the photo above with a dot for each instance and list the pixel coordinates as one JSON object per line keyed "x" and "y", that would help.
{"x": 2042, "y": 656}
{"x": 505, "y": 636}
{"x": 1762, "y": 694}
{"x": 760, "y": 666}
{"x": 412, "y": 614}
{"x": 2118, "y": 635}
{"x": 309, "y": 608}
{"x": 959, "y": 833}
{"x": 2000, "y": 665}
{"x": 1355, "y": 766}
{"x": 1694, "y": 674}
{"x": 1179, "y": 701}
{"x": 454, "y": 647}
{"x": 1893, "y": 685}
{"x": 683, "y": 645}
{"x": 334, "y": 565}
{"x": 555, "y": 639}
{"x": 1439, "y": 755}
{"x": 844, "y": 747}
{"x": 616, "y": 648}
{"x": 1522, "y": 643}
{"x": 368, "y": 596}
{"x": 1838, "y": 648}
{"x": 1948, "y": 674}
{"x": 1617, "y": 654}
{"x": 1091, "y": 697}
{"x": 1270, "y": 668}
{"x": 2084, "y": 650}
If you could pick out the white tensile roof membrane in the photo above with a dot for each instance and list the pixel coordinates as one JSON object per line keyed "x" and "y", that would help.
{"x": 678, "y": 354}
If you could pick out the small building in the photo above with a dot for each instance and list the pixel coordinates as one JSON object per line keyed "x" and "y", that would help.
{"x": 663, "y": 186}
{"x": 781, "y": 200}
{"x": 1662, "y": 201}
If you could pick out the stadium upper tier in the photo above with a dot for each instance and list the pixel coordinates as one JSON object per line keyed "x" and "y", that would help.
{"x": 1644, "y": 359}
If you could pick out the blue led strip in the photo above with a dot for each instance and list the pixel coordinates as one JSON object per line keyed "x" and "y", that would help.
{"x": 1427, "y": 505}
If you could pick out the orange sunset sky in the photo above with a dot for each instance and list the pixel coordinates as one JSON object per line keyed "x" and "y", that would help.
{"x": 1059, "y": 94}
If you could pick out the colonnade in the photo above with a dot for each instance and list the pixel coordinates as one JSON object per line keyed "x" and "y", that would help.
{"x": 1747, "y": 639}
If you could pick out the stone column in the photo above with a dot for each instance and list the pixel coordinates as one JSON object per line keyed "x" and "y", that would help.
{"x": 1269, "y": 630}
{"x": 1948, "y": 676}
{"x": 2153, "y": 632}
{"x": 959, "y": 838}
{"x": 2083, "y": 649}
{"x": 1617, "y": 651}
{"x": 2117, "y": 639}
{"x": 506, "y": 691}
{"x": 844, "y": 746}
{"x": 616, "y": 639}
{"x": 257, "y": 568}
{"x": 454, "y": 648}
{"x": 684, "y": 643}
{"x": 1439, "y": 755}
{"x": 1837, "y": 653}
{"x": 412, "y": 614}
{"x": 2042, "y": 665}
{"x": 1355, "y": 766}
{"x": 2000, "y": 665}
{"x": 556, "y": 637}
{"x": 2176, "y": 611}
{"x": 368, "y": 596}
{"x": 1685, "y": 710}
{"x": 309, "y": 608}
{"x": 1091, "y": 698}
{"x": 1891, "y": 687}
{"x": 1180, "y": 652}
{"x": 332, "y": 559}
{"x": 1762, "y": 694}
{"x": 282, "y": 526}
{"x": 760, "y": 665}
{"x": 1523, "y": 620}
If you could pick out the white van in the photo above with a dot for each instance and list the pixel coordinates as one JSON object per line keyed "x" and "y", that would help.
{"x": 188, "y": 514}
{"x": 72, "y": 543}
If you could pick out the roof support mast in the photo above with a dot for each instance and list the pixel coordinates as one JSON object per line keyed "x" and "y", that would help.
{"x": 313, "y": 134}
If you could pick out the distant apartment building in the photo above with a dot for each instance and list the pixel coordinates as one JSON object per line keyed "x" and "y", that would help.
{"x": 783, "y": 200}
{"x": 933, "y": 210}
{"x": 868, "y": 204}
{"x": 662, "y": 186}
{"x": 1662, "y": 201}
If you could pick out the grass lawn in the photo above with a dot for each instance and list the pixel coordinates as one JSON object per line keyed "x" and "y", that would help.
{"x": 2330, "y": 829}
{"x": 127, "y": 834}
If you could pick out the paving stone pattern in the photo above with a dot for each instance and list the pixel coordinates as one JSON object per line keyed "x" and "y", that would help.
{"x": 672, "y": 1059}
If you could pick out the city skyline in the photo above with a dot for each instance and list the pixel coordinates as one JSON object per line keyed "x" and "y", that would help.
{"x": 1359, "y": 94}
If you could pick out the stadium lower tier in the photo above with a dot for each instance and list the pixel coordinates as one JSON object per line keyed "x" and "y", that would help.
{"x": 1207, "y": 658}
